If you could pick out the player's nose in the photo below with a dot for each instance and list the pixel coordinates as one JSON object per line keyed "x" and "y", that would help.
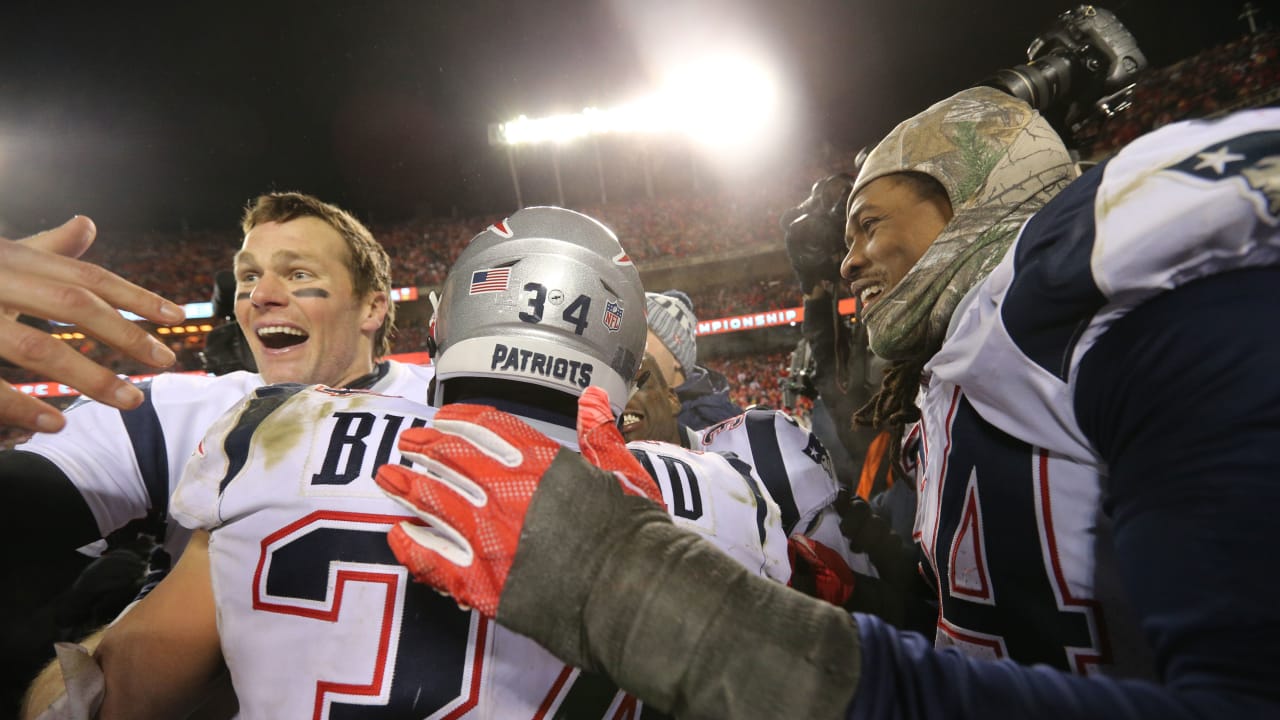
{"x": 269, "y": 291}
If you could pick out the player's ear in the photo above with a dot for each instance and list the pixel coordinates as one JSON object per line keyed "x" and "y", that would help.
{"x": 375, "y": 311}
{"x": 673, "y": 401}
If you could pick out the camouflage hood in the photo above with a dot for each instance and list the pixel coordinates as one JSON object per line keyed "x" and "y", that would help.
{"x": 999, "y": 162}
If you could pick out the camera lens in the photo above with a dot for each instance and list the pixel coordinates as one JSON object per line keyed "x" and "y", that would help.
{"x": 1039, "y": 83}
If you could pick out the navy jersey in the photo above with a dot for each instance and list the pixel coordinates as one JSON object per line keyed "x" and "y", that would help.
{"x": 1099, "y": 452}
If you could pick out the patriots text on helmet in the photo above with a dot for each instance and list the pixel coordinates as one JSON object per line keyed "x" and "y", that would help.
{"x": 513, "y": 359}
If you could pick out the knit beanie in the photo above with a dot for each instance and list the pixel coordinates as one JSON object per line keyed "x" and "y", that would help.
{"x": 671, "y": 319}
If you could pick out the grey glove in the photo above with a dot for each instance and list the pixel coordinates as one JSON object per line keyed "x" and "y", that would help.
{"x": 606, "y": 582}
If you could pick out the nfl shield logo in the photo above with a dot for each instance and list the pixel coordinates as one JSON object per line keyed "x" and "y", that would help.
{"x": 613, "y": 315}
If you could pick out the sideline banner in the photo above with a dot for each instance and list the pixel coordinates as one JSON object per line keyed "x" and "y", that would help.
{"x": 769, "y": 318}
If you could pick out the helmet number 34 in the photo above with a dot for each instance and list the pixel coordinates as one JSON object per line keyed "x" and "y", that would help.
{"x": 575, "y": 313}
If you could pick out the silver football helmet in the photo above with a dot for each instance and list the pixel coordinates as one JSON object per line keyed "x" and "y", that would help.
{"x": 547, "y": 296}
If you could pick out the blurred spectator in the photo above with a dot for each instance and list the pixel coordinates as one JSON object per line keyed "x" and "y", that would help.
{"x": 410, "y": 338}
{"x": 747, "y": 296}
{"x": 703, "y": 393}
{"x": 757, "y": 380}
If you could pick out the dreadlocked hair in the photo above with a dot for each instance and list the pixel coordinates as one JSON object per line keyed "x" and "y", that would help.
{"x": 893, "y": 408}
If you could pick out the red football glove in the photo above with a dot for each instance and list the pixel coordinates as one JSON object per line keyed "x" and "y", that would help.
{"x": 819, "y": 571}
{"x": 601, "y": 443}
{"x": 480, "y": 469}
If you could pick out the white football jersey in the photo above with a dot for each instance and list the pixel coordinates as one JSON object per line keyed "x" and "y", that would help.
{"x": 126, "y": 464}
{"x": 318, "y": 619}
{"x": 1009, "y": 507}
{"x": 794, "y": 467}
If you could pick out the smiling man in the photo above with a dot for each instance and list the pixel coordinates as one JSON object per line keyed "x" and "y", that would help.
{"x": 306, "y": 276}
{"x": 313, "y": 295}
{"x": 652, "y": 410}
{"x": 891, "y": 224}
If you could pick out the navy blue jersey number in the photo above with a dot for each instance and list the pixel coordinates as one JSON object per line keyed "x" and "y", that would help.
{"x": 1006, "y": 592}
{"x": 423, "y": 668}
{"x": 681, "y": 482}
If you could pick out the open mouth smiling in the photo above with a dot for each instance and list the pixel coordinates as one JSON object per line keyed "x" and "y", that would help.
{"x": 867, "y": 291}
{"x": 279, "y": 337}
{"x": 631, "y": 422}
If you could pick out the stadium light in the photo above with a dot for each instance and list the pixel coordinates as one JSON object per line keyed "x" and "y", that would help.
{"x": 722, "y": 100}
{"x": 715, "y": 100}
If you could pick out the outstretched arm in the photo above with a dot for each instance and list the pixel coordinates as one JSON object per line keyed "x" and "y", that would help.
{"x": 39, "y": 276}
{"x": 606, "y": 582}
{"x": 495, "y": 542}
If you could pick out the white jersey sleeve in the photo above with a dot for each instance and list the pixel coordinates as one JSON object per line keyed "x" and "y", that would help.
{"x": 719, "y": 498}
{"x": 403, "y": 380}
{"x": 789, "y": 460}
{"x": 1069, "y": 278}
{"x": 126, "y": 463}
{"x": 1015, "y": 513}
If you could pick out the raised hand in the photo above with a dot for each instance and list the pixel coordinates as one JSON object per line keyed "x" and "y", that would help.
{"x": 40, "y": 276}
{"x": 480, "y": 470}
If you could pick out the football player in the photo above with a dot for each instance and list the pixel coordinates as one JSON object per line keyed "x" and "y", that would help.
{"x": 289, "y": 579}
{"x": 313, "y": 297}
{"x": 1100, "y": 414}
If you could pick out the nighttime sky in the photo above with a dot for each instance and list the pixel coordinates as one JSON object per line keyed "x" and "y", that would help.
{"x": 173, "y": 113}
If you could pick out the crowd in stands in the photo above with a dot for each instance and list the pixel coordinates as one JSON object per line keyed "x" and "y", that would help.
{"x": 746, "y": 297}
{"x": 410, "y": 338}
{"x": 423, "y": 250}
{"x": 758, "y": 380}
{"x": 181, "y": 266}
{"x": 652, "y": 230}
{"x": 1242, "y": 73}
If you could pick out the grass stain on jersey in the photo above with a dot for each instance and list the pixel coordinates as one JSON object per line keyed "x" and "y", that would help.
{"x": 281, "y": 433}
